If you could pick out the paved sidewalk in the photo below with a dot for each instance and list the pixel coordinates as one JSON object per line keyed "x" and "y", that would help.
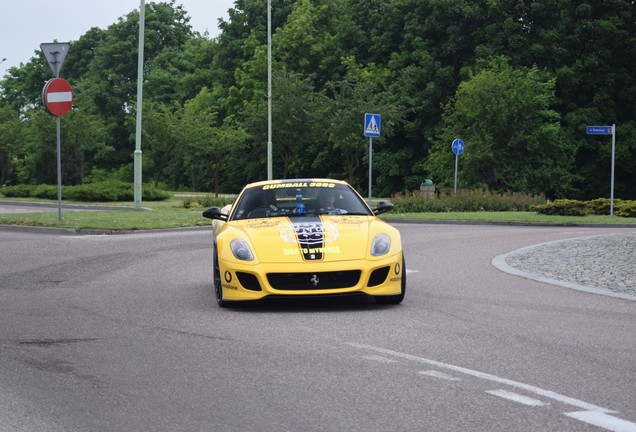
{"x": 604, "y": 264}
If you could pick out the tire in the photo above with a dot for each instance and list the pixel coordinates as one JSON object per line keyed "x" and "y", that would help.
{"x": 394, "y": 299}
{"x": 218, "y": 289}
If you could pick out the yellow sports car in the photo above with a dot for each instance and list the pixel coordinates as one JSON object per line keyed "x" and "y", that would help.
{"x": 305, "y": 237}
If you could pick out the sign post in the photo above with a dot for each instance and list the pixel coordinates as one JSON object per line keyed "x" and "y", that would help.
{"x": 458, "y": 148}
{"x": 607, "y": 130}
{"x": 372, "y": 123}
{"x": 57, "y": 96}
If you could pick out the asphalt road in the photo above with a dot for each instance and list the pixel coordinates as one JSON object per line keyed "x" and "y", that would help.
{"x": 120, "y": 333}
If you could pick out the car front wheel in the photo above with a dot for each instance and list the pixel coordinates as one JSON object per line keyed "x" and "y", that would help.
{"x": 395, "y": 299}
{"x": 218, "y": 289}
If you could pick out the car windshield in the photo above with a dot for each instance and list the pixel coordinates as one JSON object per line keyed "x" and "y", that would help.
{"x": 299, "y": 199}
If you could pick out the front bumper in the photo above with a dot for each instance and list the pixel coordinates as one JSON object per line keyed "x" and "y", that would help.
{"x": 379, "y": 277}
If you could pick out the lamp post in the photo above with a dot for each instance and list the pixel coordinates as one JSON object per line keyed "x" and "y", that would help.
{"x": 269, "y": 90}
{"x": 140, "y": 70}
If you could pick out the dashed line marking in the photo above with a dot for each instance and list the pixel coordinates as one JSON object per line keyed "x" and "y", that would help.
{"x": 440, "y": 375}
{"x": 379, "y": 359}
{"x": 516, "y": 397}
{"x": 604, "y": 421}
{"x": 592, "y": 414}
{"x": 482, "y": 375}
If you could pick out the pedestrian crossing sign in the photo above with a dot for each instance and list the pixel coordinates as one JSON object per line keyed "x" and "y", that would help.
{"x": 372, "y": 125}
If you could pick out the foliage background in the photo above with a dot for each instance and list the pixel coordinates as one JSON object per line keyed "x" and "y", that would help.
{"x": 517, "y": 80}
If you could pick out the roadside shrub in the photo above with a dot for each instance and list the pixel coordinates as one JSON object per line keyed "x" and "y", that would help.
{"x": 600, "y": 206}
{"x": 45, "y": 192}
{"x": 626, "y": 209}
{"x": 106, "y": 191}
{"x": 17, "y": 191}
{"x": 207, "y": 202}
{"x": 465, "y": 201}
{"x": 563, "y": 207}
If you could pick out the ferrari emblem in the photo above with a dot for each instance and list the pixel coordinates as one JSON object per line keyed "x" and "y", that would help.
{"x": 314, "y": 280}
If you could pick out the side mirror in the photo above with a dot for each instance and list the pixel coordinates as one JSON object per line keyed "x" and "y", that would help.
{"x": 383, "y": 207}
{"x": 214, "y": 213}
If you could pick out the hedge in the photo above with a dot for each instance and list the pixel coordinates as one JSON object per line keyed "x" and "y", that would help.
{"x": 107, "y": 191}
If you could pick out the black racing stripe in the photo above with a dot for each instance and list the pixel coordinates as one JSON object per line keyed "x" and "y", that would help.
{"x": 310, "y": 235}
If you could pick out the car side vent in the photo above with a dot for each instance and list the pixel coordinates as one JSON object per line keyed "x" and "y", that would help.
{"x": 248, "y": 281}
{"x": 378, "y": 276}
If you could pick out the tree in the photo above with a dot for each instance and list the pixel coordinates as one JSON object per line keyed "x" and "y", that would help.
{"x": 11, "y": 137}
{"x": 160, "y": 139}
{"x": 207, "y": 146}
{"x": 513, "y": 139}
{"x": 363, "y": 90}
{"x": 296, "y": 123}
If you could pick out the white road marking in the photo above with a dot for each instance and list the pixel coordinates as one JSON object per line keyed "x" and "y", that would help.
{"x": 440, "y": 375}
{"x": 604, "y": 421}
{"x": 591, "y": 414}
{"x": 379, "y": 359}
{"x": 504, "y": 381}
{"x": 409, "y": 271}
{"x": 515, "y": 397}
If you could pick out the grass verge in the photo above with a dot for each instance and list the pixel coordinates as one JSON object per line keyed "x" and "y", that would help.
{"x": 516, "y": 217}
{"x": 172, "y": 214}
{"x": 155, "y": 215}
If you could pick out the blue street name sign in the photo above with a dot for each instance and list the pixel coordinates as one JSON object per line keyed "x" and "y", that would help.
{"x": 372, "y": 125}
{"x": 458, "y": 146}
{"x": 599, "y": 130}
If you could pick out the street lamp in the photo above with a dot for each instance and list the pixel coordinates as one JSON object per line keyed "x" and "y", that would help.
{"x": 140, "y": 70}
{"x": 269, "y": 90}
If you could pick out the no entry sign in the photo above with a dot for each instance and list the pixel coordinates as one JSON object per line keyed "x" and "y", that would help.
{"x": 57, "y": 96}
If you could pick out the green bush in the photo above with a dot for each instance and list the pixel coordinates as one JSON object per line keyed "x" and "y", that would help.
{"x": 563, "y": 207}
{"x": 105, "y": 191}
{"x": 45, "y": 192}
{"x": 626, "y": 209}
{"x": 599, "y": 206}
{"x": 17, "y": 191}
{"x": 207, "y": 202}
{"x": 465, "y": 201}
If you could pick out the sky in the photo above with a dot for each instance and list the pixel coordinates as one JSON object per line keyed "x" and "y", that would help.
{"x": 25, "y": 24}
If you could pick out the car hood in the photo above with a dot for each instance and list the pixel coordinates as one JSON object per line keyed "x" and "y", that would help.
{"x": 310, "y": 238}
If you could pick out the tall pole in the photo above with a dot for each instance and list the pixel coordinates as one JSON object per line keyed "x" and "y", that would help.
{"x": 370, "y": 165}
{"x": 612, "y": 181}
{"x": 140, "y": 70}
{"x": 456, "y": 157}
{"x": 269, "y": 90}
{"x": 58, "y": 142}
{"x": 59, "y": 169}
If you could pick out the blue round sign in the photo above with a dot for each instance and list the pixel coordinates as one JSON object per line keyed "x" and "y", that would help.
{"x": 458, "y": 146}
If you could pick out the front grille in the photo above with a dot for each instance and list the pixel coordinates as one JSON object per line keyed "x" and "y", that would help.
{"x": 249, "y": 281}
{"x": 314, "y": 281}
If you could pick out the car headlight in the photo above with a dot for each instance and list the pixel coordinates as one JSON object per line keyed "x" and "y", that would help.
{"x": 381, "y": 244}
{"x": 241, "y": 250}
